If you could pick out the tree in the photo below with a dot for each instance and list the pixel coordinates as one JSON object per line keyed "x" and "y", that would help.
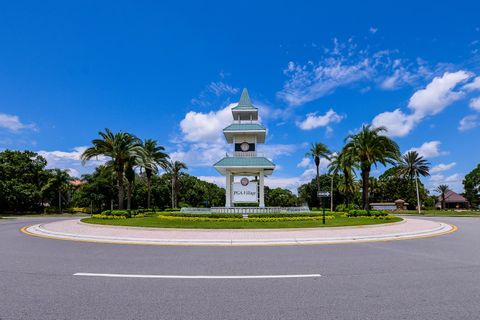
{"x": 317, "y": 151}
{"x": 412, "y": 165}
{"x": 369, "y": 147}
{"x": 97, "y": 190}
{"x": 57, "y": 183}
{"x": 153, "y": 158}
{"x": 174, "y": 168}
{"x": 394, "y": 186}
{"x": 343, "y": 163}
{"x": 471, "y": 184}
{"x": 307, "y": 193}
{"x": 279, "y": 197}
{"x": 442, "y": 189}
{"x": 22, "y": 176}
{"x": 119, "y": 147}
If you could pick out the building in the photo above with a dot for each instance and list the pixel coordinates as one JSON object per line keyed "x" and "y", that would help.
{"x": 453, "y": 200}
{"x": 244, "y": 169}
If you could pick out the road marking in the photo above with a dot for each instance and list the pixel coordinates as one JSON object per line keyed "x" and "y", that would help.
{"x": 159, "y": 276}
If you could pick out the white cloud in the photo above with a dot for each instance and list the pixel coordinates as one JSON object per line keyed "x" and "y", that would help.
{"x": 474, "y": 85}
{"x": 273, "y": 151}
{"x": 438, "y": 94}
{"x": 454, "y": 181}
{"x": 218, "y": 180}
{"x": 13, "y": 123}
{"x": 399, "y": 77}
{"x": 219, "y": 88}
{"x": 343, "y": 65}
{"x": 373, "y": 30}
{"x": 431, "y": 100}
{"x": 468, "y": 122}
{"x": 312, "y": 81}
{"x": 398, "y": 123}
{"x": 313, "y": 121}
{"x": 199, "y": 126}
{"x": 304, "y": 163}
{"x": 443, "y": 167}
{"x": 475, "y": 104}
{"x": 430, "y": 149}
{"x": 71, "y": 160}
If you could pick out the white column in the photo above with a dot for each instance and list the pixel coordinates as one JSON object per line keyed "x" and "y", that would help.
{"x": 262, "y": 191}
{"x": 228, "y": 192}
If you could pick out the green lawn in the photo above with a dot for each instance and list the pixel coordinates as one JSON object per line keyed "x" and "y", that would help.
{"x": 441, "y": 213}
{"x": 240, "y": 224}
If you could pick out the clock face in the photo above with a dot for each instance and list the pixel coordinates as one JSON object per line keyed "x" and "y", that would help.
{"x": 245, "y": 146}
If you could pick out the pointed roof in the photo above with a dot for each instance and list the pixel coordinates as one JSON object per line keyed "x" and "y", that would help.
{"x": 244, "y": 103}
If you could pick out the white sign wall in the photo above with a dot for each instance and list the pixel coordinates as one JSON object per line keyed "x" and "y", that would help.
{"x": 245, "y": 193}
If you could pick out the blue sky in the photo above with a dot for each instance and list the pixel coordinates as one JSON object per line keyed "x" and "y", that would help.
{"x": 170, "y": 71}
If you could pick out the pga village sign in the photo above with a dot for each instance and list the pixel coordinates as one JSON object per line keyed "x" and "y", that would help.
{"x": 245, "y": 191}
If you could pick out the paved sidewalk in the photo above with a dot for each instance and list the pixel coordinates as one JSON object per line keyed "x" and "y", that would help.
{"x": 79, "y": 231}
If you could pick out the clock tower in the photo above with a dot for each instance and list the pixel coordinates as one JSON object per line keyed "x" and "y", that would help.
{"x": 244, "y": 134}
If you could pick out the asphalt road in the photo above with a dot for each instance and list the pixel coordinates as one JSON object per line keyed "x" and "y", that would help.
{"x": 432, "y": 278}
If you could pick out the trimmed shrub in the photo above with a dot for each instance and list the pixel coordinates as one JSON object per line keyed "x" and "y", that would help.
{"x": 346, "y": 208}
{"x": 104, "y": 216}
{"x": 124, "y": 213}
{"x": 172, "y": 210}
{"x": 366, "y": 213}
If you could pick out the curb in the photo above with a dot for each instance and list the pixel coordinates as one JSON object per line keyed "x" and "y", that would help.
{"x": 39, "y": 230}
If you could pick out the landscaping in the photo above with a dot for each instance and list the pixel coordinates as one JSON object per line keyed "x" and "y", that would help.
{"x": 237, "y": 221}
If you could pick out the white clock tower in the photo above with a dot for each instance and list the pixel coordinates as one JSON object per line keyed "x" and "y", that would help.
{"x": 245, "y": 133}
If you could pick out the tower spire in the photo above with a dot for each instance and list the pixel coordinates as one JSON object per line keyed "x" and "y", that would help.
{"x": 245, "y": 99}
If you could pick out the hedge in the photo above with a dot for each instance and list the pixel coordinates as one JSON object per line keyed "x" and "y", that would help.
{"x": 366, "y": 213}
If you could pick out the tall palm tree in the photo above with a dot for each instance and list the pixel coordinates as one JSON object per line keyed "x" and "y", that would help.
{"x": 57, "y": 182}
{"x": 442, "y": 189}
{"x": 174, "y": 168}
{"x": 343, "y": 162}
{"x": 130, "y": 177}
{"x": 154, "y": 157}
{"x": 317, "y": 151}
{"x": 369, "y": 147}
{"x": 119, "y": 147}
{"x": 412, "y": 165}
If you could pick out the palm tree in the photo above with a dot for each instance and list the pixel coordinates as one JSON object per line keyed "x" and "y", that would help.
{"x": 342, "y": 162}
{"x": 369, "y": 147}
{"x": 442, "y": 189}
{"x": 174, "y": 168}
{"x": 130, "y": 177}
{"x": 57, "y": 182}
{"x": 153, "y": 158}
{"x": 412, "y": 165}
{"x": 119, "y": 147}
{"x": 317, "y": 151}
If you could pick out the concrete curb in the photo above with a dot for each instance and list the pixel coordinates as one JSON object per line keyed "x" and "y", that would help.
{"x": 147, "y": 236}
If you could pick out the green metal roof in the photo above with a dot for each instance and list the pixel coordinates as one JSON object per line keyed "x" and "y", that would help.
{"x": 244, "y": 127}
{"x": 244, "y": 162}
{"x": 244, "y": 103}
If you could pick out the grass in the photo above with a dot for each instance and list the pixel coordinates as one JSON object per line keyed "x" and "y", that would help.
{"x": 441, "y": 213}
{"x": 154, "y": 222}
